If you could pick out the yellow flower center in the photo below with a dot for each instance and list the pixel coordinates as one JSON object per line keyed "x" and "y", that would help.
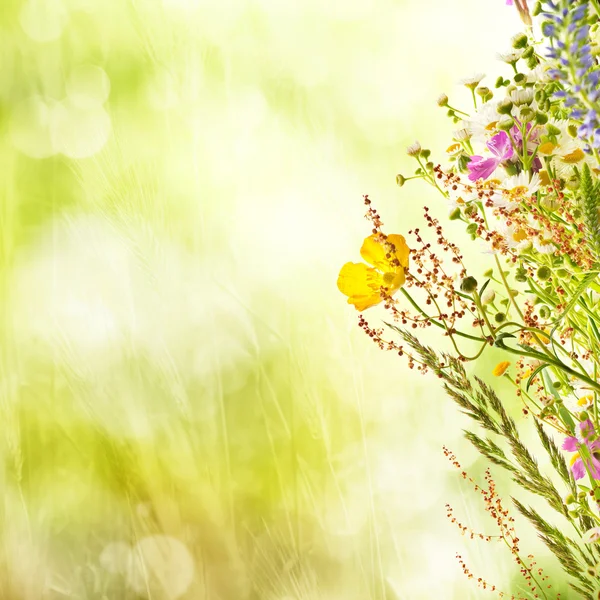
{"x": 388, "y": 278}
{"x": 519, "y": 235}
{"x": 519, "y": 190}
{"x": 491, "y": 126}
{"x": 574, "y": 157}
{"x": 585, "y": 400}
{"x": 453, "y": 148}
{"x": 546, "y": 148}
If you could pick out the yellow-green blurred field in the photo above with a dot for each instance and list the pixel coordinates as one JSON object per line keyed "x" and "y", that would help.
{"x": 188, "y": 408}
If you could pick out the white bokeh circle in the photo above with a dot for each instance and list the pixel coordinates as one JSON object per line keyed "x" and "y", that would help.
{"x": 88, "y": 86}
{"x": 79, "y": 132}
{"x": 162, "y": 566}
{"x": 44, "y": 20}
{"x": 31, "y": 126}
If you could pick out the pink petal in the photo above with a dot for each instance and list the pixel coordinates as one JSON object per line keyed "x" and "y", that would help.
{"x": 578, "y": 469}
{"x": 570, "y": 444}
{"x": 481, "y": 168}
{"x": 500, "y": 146}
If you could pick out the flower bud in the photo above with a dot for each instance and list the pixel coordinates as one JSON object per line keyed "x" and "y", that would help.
{"x": 425, "y": 154}
{"x": 499, "y": 82}
{"x": 483, "y": 91}
{"x": 537, "y": 9}
{"x": 541, "y": 118}
{"x": 472, "y": 228}
{"x": 544, "y": 312}
{"x": 528, "y": 52}
{"x": 499, "y": 317}
{"x": 488, "y": 296}
{"x": 572, "y": 182}
{"x": 400, "y": 180}
{"x": 414, "y": 149}
{"x": 489, "y": 273}
{"x": 583, "y": 416}
{"x": 519, "y": 40}
{"x": 521, "y": 275}
{"x": 570, "y": 499}
{"x": 468, "y": 285}
{"x": 532, "y": 62}
{"x": 553, "y": 130}
{"x": 442, "y": 100}
{"x": 455, "y": 214}
{"x": 574, "y": 514}
{"x": 519, "y": 78}
{"x": 471, "y": 210}
{"x": 544, "y": 273}
{"x": 526, "y": 114}
{"x": 506, "y": 124}
{"x": 572, "y": 130}
{"x": 505, "y": 106}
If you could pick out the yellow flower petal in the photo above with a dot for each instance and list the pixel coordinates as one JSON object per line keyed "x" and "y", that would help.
{"x": 500, "y": 368}
{"x": 361, "y": 284}
{"x": 402, "y": 250}
{"x": 374, "y": 251}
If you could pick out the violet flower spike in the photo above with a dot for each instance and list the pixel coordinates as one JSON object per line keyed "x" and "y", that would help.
{"x": 501, "y": 148}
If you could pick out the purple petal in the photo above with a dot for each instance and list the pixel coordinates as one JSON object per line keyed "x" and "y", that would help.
{"x": 578, "y": 469}
{"x": 481, "y": 168}
{"x": 570, "y": 444}
{"x": 500, "y": 146}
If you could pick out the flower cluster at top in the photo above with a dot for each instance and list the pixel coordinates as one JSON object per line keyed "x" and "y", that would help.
{"x": 522, "y": 174}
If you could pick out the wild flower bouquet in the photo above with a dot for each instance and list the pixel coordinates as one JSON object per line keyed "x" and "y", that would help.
{"x": 523, "y": 175}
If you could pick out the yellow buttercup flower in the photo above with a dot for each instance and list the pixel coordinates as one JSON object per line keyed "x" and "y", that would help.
{"x": 500, "y": 368}
{"x": 362, "y": 283}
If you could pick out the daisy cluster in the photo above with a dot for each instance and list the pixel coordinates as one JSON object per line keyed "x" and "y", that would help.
{"x": 522, "y": 173}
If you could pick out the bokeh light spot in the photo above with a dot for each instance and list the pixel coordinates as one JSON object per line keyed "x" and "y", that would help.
{"x": 88, "y": 86}
{"x": 162, "y": 568}
{"x": 31, "y": 126}
{"x": 78, "y": 132}
{"x": 44, "y": 20}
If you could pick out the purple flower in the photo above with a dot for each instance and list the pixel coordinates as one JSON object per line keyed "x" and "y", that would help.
{"x": 572, "y": 444}
{"x": 482, "y": 168}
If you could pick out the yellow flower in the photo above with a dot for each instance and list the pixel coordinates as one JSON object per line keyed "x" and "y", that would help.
{"x": 362, "y": 284}
{"x": 500, "y": 368}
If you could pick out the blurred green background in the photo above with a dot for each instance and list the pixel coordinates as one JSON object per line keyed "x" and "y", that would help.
{"x": 188, "y": 407}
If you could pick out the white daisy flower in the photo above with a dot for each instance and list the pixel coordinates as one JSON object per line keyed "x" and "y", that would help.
{"x": 510, "y": 57}
{"x": 566, "y": 151}
{"x": 516, "y": 237}
{"x": 414, "y": 149}
{"x": 539, "y": 74}
{"x": 516, "y": 188}
{"x": 461, "y": 135}
{"x": 472, "y": 82}
{"x": 579, "y": 401}
{"x": 483, "y": 124}
{"x": 543, "y": 243}
{"x": 522, "y": 96}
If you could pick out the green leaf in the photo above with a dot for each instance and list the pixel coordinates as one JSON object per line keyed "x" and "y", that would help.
{"x": 534, "y": 375}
